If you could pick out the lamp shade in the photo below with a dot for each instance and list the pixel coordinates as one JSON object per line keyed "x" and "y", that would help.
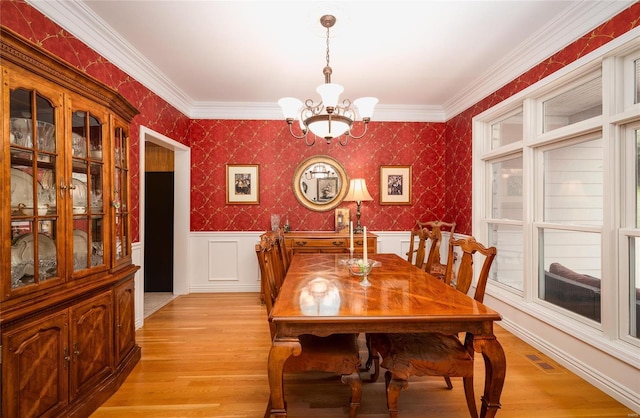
{"x": 330, "y": 93}
{"x": 290, "y": 107}
{"x": 325, "y": 127}
{"x": 357, "y": 191}
{"x": 365, "y": 106}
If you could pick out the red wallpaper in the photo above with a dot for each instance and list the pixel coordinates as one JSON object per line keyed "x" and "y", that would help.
{"x": 440, "y": 153}
{"x": 268, "y": 143}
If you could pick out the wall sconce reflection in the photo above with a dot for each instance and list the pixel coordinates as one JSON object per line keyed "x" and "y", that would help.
{"x": 320, "y": 297}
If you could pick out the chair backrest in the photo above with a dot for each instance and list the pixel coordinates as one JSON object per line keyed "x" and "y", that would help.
{"x": 278, "y": 253}
{"x": 436, "y": 228}
{"x": 268, "y": 265}
{"x": 463, "y": 278}
{"x": 282, "y": 249}
{"x": 416, "y": 254}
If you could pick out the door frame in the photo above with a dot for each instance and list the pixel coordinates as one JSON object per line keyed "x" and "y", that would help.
{"x": 181, "y": 210}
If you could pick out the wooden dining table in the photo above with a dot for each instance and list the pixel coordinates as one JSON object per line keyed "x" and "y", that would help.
{"x": 319, "y": 296}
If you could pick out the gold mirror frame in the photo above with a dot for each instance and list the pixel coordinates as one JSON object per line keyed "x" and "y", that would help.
{"x": 304, "y": 174}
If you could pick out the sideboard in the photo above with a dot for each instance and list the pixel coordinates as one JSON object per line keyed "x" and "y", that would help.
{"x": 328, "y": 242}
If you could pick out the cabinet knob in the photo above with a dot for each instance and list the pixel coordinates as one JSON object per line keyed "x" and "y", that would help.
{"x": 66, "y": 357}
{"x": 338, "y": 243}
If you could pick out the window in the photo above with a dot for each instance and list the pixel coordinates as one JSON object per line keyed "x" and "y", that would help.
{"x": 636, "y": 68}
{"x": 575, "y": 105}
{"x": 572, "y": 177}
{"x": 507, "y": 130}
{"x": 572, "y": 198}
{"x": 505, "y": 230}
{"x": 506, "y": 189}
{"x": 631, "y": 228}
{"x": 559, "y": 196}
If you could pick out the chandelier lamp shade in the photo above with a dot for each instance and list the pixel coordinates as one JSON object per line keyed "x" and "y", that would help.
{"x": 329, "y": 118}
{"x": 357, "y": 193}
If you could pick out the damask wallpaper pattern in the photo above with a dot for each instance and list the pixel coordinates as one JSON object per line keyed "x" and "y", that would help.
{"x": 440, "y": 153}
{"x": 268, "y": 143}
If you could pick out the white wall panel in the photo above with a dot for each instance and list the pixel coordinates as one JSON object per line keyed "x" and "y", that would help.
{"x": 138, "y": 282}
{"x": 226, "y": 261}
{"x": 223, "y": 260}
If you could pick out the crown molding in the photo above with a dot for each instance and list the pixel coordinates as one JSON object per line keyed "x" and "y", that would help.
{"x": 575, "y": 22}
{"x": 79, "y": 20}
{"x": 271, "y": 111}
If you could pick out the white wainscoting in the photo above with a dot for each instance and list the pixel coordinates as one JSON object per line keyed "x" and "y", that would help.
{"x": 226, "y": 261}
{"x": 136, "y": 258}
{"x": 223, "y": 262}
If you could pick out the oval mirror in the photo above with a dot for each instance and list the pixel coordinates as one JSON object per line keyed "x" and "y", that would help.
{"x": 320, "y": 183}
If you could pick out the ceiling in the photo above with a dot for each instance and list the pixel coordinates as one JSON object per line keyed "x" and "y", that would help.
{"x": 424, "y": 60}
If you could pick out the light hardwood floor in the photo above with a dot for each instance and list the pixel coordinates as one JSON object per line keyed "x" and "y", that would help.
{"x": 156, "y": 300}
{"x": 205, "y": 355}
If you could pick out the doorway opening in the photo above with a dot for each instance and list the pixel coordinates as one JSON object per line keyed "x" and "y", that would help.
{"x": 158, "y": 218}
{"x": 164, "y": 172}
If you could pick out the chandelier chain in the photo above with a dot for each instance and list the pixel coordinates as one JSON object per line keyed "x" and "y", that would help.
{"x": 327, "y": 47}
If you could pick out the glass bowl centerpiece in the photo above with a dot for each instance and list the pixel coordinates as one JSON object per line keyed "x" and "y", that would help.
{"x": 362, "y": 268}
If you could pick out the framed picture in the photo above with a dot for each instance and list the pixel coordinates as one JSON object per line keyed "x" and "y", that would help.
{"x": 395, "y": 184}
{"x": 243, "y": 184}
{"x": 343, "y": 216}
{"x": 327, "y": 189}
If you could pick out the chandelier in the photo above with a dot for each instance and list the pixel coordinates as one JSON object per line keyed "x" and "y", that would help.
{"x": 327, "y": 119}
{"x": 319, "y": 171}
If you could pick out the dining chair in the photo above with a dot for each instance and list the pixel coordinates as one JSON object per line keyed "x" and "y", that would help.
{"x": 336, "y": 353}
{"x": 282, "y": 258}
{"x": 435, "y": 229}
{"x": 417, "y": 252}
{"x": 435, "y": 354}
{"x": 285, "y": 254}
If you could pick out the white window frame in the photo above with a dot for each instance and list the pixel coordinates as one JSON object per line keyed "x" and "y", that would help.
{"x": 627, "y": 231}
{"x": 619, "y": 114}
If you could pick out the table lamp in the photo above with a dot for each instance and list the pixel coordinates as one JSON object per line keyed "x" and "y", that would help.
{"x": 358, "y": 193}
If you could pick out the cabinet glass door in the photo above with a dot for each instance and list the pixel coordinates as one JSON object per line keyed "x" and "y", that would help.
{"x": 86, "y": 190}
{"x": 121, "y": 245}
{"x": 34, "y": 210}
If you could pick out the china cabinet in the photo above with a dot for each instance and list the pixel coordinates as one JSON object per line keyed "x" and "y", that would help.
{"x": 66, "y": 274}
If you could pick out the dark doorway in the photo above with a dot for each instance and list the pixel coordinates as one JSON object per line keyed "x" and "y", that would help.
{"x": 158, "y": 232}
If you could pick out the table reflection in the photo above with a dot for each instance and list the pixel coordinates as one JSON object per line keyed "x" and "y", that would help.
{"x": 320, "y": 297}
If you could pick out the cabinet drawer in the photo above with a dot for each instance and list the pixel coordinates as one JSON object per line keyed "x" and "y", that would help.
{"x": 328, "y": 244}
{"x": 313, "y": 244}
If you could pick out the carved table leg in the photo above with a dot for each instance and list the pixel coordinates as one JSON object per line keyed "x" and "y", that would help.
{"x": 495, "y": 366}
{"x": 281, "y": 350}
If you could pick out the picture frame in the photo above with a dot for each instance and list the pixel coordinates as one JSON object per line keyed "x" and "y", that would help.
{"x": 395, "y": 185}
{"x": 342, "y": 218}
{"x": 327, "y": 189}
{"x": 243, "y": 184}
